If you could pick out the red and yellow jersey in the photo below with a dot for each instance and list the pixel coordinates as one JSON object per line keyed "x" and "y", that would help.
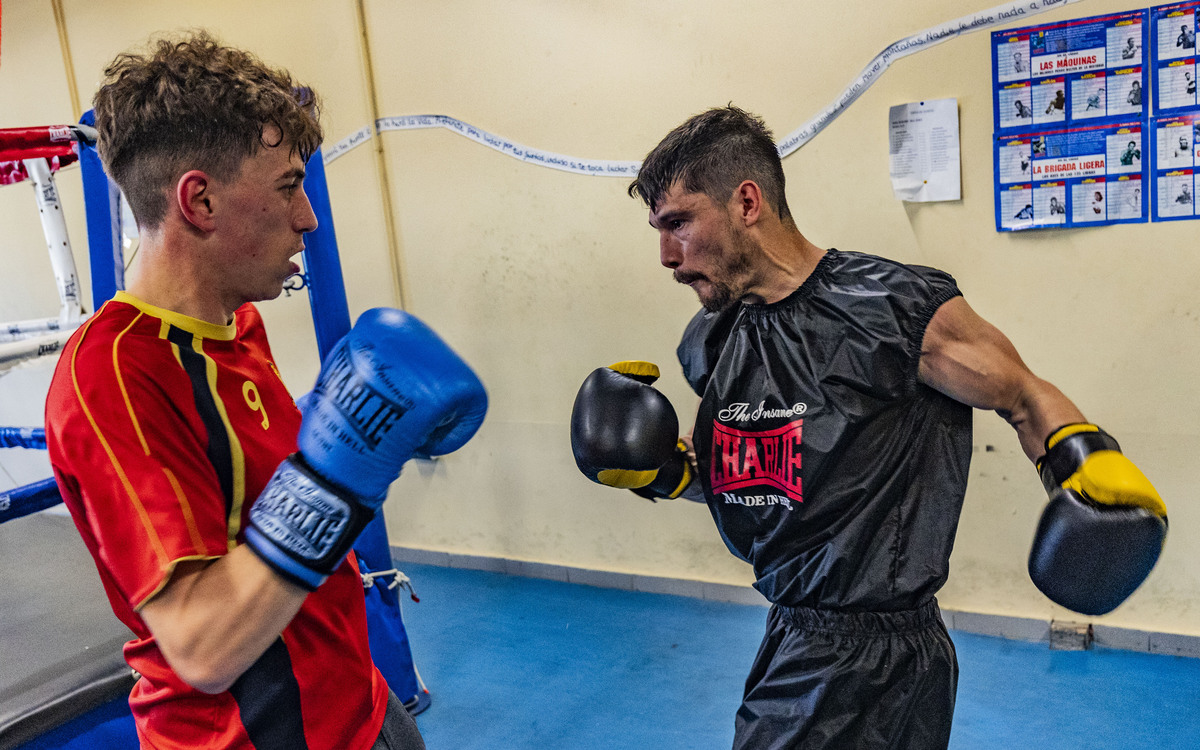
{"x": 162, "y": 431}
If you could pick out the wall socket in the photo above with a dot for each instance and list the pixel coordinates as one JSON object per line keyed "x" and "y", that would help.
{"x": 1070, "y": 636}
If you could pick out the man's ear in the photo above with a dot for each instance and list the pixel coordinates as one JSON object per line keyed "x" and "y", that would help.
{"x": 193, "y": 195}
{"x": 748, "y": 198}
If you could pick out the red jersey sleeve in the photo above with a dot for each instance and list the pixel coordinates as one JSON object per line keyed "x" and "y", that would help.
{"x": 127, "y": 449}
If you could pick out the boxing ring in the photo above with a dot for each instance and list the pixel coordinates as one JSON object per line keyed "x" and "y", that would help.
{"x": 65, "y": 682}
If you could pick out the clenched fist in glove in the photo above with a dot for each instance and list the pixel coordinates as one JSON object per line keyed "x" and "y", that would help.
{"x": 1104, "y": 527}
{"x": 389, "y": 390}
{"x": 624, "y": 432}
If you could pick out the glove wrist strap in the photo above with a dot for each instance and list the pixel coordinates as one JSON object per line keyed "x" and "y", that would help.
{"x": 302, "y": 526}
{"x": 1069, "y": 453}
{"x": 673, "y": 477}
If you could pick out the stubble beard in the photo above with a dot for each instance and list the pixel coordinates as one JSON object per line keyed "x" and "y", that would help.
{"x": 732, "y": 272}
{"x": 721, "y": 296}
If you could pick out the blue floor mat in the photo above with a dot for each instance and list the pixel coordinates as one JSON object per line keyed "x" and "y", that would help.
{"x": 519, "y": 663}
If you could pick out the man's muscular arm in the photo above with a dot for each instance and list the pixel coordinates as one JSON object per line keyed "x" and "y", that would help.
{"x": 970, "y": 360}
{"x": 1105, "y": 524}
{"x": 215, "y": 618}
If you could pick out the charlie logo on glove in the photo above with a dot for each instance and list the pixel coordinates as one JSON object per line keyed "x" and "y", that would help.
{"x": 299, "y": 515}
{"x": 367, "y": 411}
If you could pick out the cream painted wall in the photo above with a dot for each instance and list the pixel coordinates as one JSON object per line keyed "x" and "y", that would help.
{"x": 538, "y": 276}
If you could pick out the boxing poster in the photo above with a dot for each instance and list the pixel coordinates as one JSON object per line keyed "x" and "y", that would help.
{"x": 1174, "y": 161}
{"x": 1072, "y": 177}
{"x": 1174, "y": 57}
{"x": 1176, "y": 108}
{"x": 1077, "y": 72}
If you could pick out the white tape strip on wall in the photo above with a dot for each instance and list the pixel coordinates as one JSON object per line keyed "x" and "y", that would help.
{"x": 999, "y": 16}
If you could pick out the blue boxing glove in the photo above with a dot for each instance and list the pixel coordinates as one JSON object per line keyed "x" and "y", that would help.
{"x": 389, "y": 390}
{"x": 304, "y": 402}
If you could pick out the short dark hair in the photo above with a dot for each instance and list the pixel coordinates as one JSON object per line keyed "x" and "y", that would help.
{"x": 191, "y": 103}
{"x": 712, "y": 153}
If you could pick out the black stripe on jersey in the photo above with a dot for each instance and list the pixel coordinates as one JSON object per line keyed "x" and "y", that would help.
{"x": 268, "y": 699}
{"x": 218, "y": 450}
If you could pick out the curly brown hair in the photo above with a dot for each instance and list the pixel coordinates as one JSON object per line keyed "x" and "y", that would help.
{"x": 191, "y": 103}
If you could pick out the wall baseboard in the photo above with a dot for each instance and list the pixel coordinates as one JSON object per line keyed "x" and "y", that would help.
{"x": 1001, "y": 626}
{"x": 1103, "y": 636}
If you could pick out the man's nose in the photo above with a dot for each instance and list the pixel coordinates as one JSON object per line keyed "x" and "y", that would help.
{"x": 669, "y": 253}
{"x": 305, "y": 219}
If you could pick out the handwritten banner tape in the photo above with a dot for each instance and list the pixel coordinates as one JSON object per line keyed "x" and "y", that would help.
{"x": 517, "y": 151}
{"x": 1000, "y": 15}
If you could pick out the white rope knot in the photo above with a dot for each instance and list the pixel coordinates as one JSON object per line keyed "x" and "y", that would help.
{"x": 399, "y": 579}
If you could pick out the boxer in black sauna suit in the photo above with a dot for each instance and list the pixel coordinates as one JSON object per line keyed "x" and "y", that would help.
{"x": 841, "y": 477}
{"x": 832, "y": 445}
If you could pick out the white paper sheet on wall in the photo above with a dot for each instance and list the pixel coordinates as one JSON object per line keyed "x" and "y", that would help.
{"x": 923, "y": 150}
